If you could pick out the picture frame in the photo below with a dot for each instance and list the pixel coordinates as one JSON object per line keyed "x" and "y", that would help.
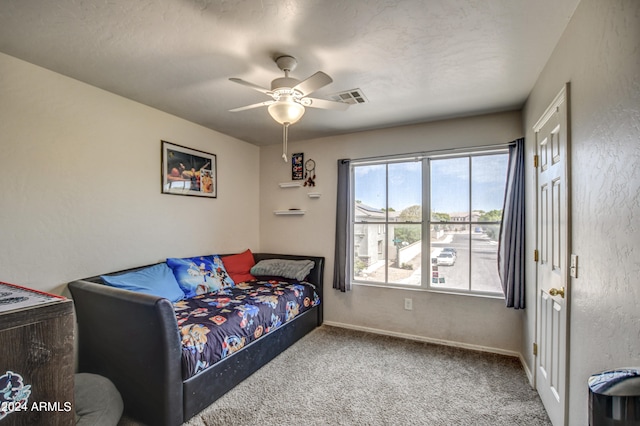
{"x": 297, "y": 166}
{"x": 188, "y": 171}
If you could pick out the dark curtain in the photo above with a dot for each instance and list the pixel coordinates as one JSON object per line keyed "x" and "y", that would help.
{"x": 511, "y": 241}
{"x": 341, "y": 272}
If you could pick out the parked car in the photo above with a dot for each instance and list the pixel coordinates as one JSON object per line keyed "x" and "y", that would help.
{"x": 446, "y": 258}
{"x": 450, "y": 250}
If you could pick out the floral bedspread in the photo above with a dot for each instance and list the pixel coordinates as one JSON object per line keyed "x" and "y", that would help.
{"x": 215, "y": 325}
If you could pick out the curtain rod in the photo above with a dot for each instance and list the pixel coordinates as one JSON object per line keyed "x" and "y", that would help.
{"x": 435, "y": 153}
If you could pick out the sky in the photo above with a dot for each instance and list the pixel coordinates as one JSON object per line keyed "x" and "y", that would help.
{"x": 449, "y": 183}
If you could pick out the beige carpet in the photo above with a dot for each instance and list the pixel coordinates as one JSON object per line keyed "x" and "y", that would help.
{"x": 335, "y": 376}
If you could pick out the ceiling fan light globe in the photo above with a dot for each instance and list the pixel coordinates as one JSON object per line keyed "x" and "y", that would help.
{"x": 286, "y": 111}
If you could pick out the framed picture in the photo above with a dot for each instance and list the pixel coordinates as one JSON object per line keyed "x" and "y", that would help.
{"x": 297, "y": 171}
{"x": 187, "y": 171}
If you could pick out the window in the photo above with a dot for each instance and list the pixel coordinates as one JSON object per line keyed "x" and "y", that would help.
{"x": 454, "y": 248}
{"x": 387, "y": 239}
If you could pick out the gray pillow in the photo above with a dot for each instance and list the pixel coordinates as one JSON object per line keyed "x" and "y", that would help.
{"x": 286, "y": 268}
{"x": 97, "y": 401}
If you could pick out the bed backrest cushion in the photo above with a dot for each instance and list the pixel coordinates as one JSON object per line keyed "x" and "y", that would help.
{"x": 200, "y": 275}
{"x": 287, "y": 268}
{"x": 239, "y": 266}
{"x": 157, "y": 280}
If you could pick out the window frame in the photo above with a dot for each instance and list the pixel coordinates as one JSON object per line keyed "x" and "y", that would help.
{"x": 425, "y": 158}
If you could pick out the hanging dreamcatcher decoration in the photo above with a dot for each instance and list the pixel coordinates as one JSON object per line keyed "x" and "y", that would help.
{"x": 310, "y": 173}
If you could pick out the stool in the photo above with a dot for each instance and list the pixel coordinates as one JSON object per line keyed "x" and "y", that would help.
{"x": 98, "y": 402}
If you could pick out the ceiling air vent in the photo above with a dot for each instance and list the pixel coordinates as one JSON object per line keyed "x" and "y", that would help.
{"x": 353, "y": 96}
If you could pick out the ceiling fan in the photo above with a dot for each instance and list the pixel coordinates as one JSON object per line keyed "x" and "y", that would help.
{"x": 290, "y": 96}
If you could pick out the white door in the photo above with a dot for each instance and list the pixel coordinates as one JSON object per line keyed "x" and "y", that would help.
{"x": 552, "y": 131}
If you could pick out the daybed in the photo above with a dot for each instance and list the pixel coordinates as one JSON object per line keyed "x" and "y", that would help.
{"x": 134, "y": 340}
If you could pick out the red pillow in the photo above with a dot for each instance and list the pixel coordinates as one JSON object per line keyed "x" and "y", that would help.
{"x": 238, "y": 266}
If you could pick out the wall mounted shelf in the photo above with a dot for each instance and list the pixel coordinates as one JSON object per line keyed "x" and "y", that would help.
{"x": 314, "y": 194}
{"x": 290, "y": 185}
{"x": 289, "y": 212}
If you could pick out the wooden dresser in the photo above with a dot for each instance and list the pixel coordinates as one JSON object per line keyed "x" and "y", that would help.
{"x": 36, "y": 358}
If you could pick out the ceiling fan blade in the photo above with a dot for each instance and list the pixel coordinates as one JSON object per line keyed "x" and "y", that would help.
{"x": 260, "y": 104}
{"x": 251, "y": 85}
{"x": 313, "y": 83}
{"x": 324, "y": 104}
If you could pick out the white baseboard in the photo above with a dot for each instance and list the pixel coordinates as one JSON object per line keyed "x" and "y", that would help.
{"x": 528, "y": 371}
{"x": 431, "y": 340}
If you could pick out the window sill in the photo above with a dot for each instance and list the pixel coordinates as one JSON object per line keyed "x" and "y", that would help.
{"x": 452, "y": 292}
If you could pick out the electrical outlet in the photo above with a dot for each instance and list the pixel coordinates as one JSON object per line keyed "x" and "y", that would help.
{"x": 408, "y": 304}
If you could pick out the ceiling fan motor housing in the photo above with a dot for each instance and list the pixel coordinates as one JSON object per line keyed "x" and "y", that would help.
{"x": 287, "y": 64}
{"x": 284, "y": 83}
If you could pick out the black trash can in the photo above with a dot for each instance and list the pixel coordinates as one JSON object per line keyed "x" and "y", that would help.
{"x": 614, "y": 398}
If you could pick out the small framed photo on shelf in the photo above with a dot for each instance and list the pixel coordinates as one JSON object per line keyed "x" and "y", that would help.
{"x": 297, "y": 166}
{"x": 187, "y": 171}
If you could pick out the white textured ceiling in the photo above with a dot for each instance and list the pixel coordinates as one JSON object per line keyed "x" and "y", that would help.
{"x": 414, "y": 60}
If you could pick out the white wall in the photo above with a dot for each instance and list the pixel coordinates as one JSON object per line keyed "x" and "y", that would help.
{"x": 599, "y": 54}
{"x": 80, "y": 183}
{"x": 465, "y": 320}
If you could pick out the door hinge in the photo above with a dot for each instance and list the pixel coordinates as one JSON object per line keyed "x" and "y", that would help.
{"x": 535, "y": 349}
{"x": 535, "y": 255}
{"x": 535, "y": 160}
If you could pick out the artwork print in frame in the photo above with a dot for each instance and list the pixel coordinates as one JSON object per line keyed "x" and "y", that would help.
{"x": 297, "y": 161}
{"x": 187, "y": 171}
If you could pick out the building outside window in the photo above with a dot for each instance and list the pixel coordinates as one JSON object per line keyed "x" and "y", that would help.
{"x": 454, "y": 248}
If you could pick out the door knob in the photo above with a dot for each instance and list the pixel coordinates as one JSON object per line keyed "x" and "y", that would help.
{"x": 557, "y": 292}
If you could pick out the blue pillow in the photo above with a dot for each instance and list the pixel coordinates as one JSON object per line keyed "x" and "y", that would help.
{"x": 200, "y": 275}
{"x": 157, "y": 280}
